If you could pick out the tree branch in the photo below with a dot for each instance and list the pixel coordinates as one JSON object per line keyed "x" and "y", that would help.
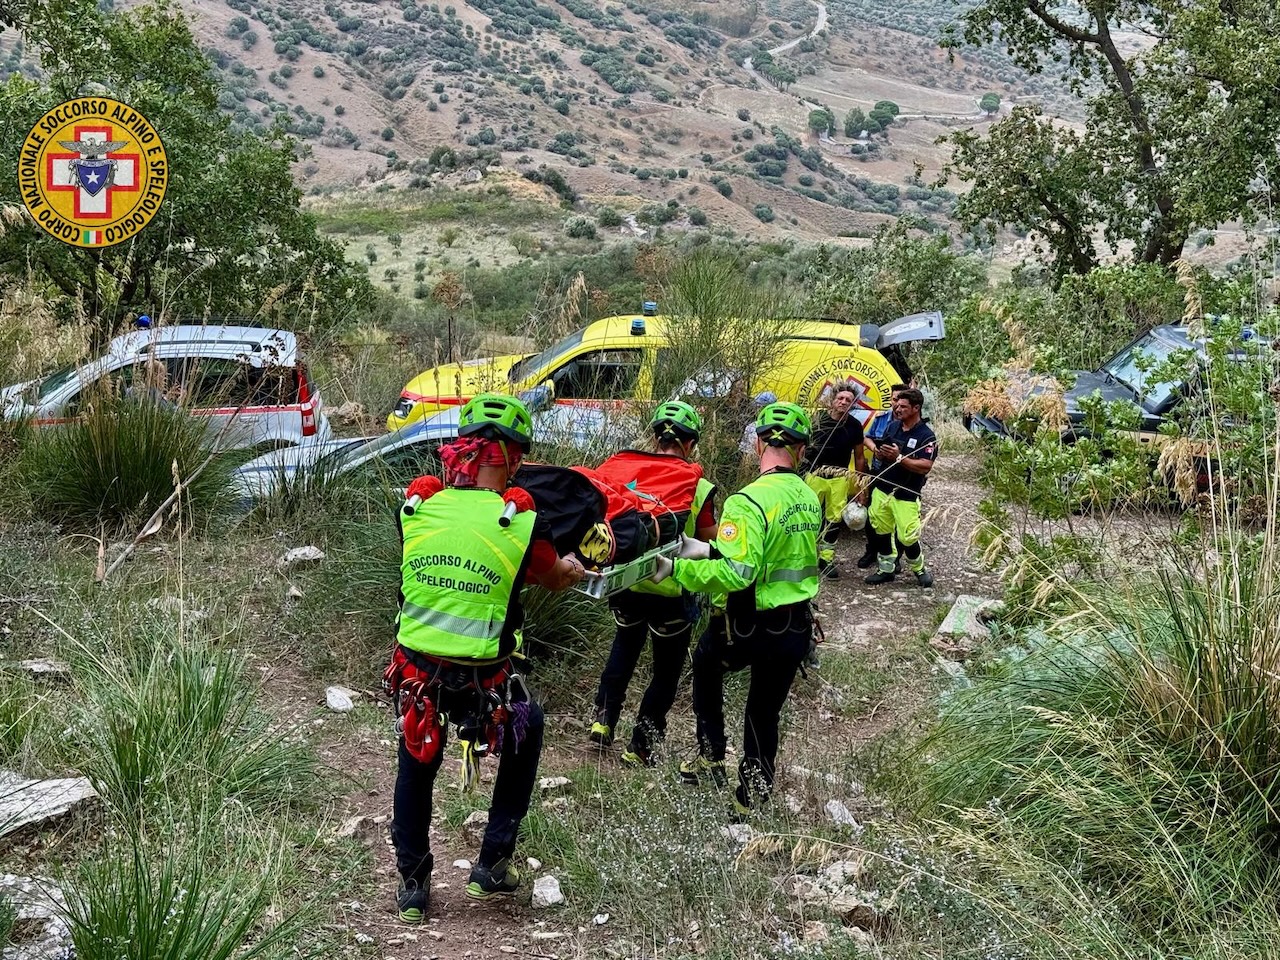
{"x": 1061, "y": 26}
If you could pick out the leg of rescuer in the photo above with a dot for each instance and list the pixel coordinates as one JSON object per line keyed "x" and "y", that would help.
{"x": 435, "y": 634}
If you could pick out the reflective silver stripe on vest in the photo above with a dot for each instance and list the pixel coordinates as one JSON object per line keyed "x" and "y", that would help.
{"x": 449, "y": 623}
{"x": 744, "y": 570}
{"x": 791, "y": 576}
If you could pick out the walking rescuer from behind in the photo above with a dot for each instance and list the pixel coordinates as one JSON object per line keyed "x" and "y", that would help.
{"x": 906, "y": 453}
{"x": 469, "y": 547}
{"x": 836, "y": 444}
{"x": 762, "y": 573}
{"x": 662, "y": 611}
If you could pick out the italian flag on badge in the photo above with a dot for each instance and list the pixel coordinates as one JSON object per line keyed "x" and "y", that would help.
{"x": 92, "y": 236}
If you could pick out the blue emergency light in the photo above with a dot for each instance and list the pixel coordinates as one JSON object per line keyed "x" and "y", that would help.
{"x": 637, "y": 326}
{"x": 649, "y": 308}
{"x": 143, "y": 322}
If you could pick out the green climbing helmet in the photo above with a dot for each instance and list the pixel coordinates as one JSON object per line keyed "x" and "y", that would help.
{"x": 497, "y": 415}
{"x": 677, "y": 419}
{"x": 783, "y": 425}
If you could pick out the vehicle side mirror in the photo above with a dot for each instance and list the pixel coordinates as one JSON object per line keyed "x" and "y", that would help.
{"x": 539, "y": 398}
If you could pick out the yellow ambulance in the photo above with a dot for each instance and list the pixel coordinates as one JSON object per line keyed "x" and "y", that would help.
{"x": 613, "y": 362}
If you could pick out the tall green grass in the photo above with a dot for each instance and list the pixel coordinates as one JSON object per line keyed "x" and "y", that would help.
{"x": 136, "y": 901}
{"x": 118, "y": 462}
{"x": 1128, "y": 764}
{"x": 171, "y": 725}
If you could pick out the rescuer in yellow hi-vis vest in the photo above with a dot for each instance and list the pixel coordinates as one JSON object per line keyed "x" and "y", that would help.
{"x": 469, "y": 548}
{"x": 762, "y": 573}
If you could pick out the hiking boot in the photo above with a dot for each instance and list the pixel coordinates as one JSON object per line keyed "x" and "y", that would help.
{"x": 866, "y": 560}
{"x": 924, "y": 578}
{"x": 741, "y": 812}
{"x": 827, "y": 570}
{"x": 637, "y": 756}
{"x": 879, "y": 577}
{"x": 694, "y": 771}
{"x": 412, "y": 900}
{"x": 601, "y": 733}
{"x": 500, "y": 880}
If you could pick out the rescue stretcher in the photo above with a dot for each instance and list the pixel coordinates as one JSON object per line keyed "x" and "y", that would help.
{"x": 607, "y": 581}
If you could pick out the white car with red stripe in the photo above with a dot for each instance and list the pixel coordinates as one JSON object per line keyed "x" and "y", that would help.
{"x": 250, "y": 382}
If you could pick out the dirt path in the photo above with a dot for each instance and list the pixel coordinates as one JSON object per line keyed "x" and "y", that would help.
{"x": 818, "y": 27}
{"x": 883, "y": 623}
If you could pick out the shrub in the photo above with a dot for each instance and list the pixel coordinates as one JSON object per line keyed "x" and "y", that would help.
{"x": 724, "y": 187}
{"x": 116, "y": 464}
{"x": 580, "y": 228}
{"x": 609, "y": 217}
{"x": 388, "y": 134}
{"x": 697, "y": 217}
{"x": 764, "y": 213}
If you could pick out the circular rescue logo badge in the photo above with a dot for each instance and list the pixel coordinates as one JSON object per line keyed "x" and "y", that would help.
{"x": 92, "y": 172}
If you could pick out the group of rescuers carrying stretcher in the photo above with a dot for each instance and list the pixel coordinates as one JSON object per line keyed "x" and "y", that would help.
{"x": 471, "y": 542}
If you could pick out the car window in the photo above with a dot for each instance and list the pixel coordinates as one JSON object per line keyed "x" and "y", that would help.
{"x": 111, "y": 383}
{"x": 55, "y": 381}
{"x": 540, "y": 361}
{"x": 1135, "y": 367}
{"x": 227, "y": 382}
{"x": 599, "y": 375}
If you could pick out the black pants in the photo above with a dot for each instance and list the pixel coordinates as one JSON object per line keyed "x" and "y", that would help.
{"x": 773, "y": 650}
{"x": 669, "y": 620}
{"x": 512, "y": 790}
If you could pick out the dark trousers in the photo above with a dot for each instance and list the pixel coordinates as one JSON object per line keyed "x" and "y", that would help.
{"x": 669, "y": 621}
{"x": 512, "y": 790}
{"x": 773, "y": 650}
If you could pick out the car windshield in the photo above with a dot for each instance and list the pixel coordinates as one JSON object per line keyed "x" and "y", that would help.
{"x": 1134, "y": 366}
{"x": 360, "y": 452}
{"x": 55, "y": 380}
{"x": 539, "y": 361}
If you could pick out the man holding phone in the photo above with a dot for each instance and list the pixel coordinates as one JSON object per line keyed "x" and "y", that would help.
{"x": 906, "y": 453}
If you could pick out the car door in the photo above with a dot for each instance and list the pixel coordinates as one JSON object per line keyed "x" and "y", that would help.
{"x": 592, "y": 391}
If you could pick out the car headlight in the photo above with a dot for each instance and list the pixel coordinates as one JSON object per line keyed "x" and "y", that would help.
{"x": 403, "y": 408}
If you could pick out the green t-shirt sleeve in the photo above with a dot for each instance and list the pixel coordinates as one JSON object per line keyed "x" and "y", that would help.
{"x": 740, "y": 544}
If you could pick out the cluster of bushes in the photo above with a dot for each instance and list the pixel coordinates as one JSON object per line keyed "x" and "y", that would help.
{"x": 613, "y": 70}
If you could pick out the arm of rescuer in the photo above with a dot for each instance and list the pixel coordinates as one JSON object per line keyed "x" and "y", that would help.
{"x": 920, "y": 461}
{"x": 706, "y": 526}
{"x": 546, "y": 568}
{"x": 736, "y": 555}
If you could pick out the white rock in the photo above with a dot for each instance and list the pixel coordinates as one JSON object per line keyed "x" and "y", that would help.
{"x": 45, "y": 669}
{"x": 955, "y": 671}
{"x": 40, "y": 908}
{"x": 474, "y": 826}
{"x": 534, "y": 863}
{"x": 25, "y": 803}
{"x": 548, "y": 784}
{"x": 340, "y": 699}
{"x": 546, "y": 892}
{"x": 841, "y": 814}
{"x": 968, "y": 617}
{"x": 600, "y": 919}
{"x": 294, "y": 592}
{"x": 842, "y": 873}
{"x": 739, "y": 833}
{"x": 358, "y": 827}
{"x": 363, "y": 938}
{"x": 462, "y": 864}
{"x": 815, "y": 931}
{"x": 300, "y": 556}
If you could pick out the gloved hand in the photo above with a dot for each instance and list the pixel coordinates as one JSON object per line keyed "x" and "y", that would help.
{"x": 424, "y": 488}
{"x": 693, "y": 549}
{"x": 663, "y": 569}
{"x": 520, "y": 497}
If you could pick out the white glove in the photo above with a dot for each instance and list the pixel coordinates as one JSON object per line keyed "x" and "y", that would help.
{"x": 662, "y": 569}
{"x": 691, "y": 549}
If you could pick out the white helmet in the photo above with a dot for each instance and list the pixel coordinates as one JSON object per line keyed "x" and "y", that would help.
{"x": 854, "y": 515}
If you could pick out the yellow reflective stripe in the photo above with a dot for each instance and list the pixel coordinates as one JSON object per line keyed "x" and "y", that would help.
{"x": 451, "y": 623}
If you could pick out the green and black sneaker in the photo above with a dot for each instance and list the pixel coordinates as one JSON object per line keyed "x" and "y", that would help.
{"x": 698, "y": 769}
{"x": 500, "y": 880}
{"x": 637, "y": 756}
{"x": 412, "y": 901}
{"x": 601, "y": 732}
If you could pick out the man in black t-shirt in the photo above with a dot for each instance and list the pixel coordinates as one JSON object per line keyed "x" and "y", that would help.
{"x": 907, "y": 452}
{"x": 837, "y": 442}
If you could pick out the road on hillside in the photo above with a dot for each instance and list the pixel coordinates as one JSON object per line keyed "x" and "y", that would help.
{"x": 790, "y": 44}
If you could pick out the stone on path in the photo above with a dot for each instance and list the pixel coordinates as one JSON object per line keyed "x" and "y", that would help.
{"x": 340, "y": 699}
{"x": 25, "y": 803}
{"x": 546, "y": 892}
{"x": 474, "y": 826}
{"x": 965, "y": 625}
{"x": 549, "y": 784}
{"x": 299, "y": 556}
{"x": 40, "y": 930}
